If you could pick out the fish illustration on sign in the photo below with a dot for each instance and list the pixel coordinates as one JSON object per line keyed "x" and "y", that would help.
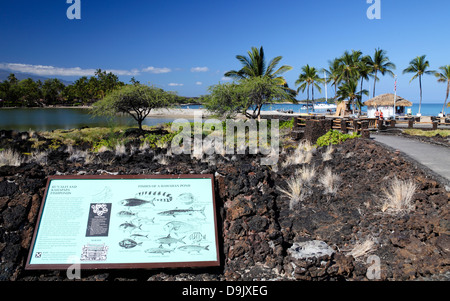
{"x": 144, "y": 220}
{"x": 177, "y": 227}
{"x": 168, "y": 240}
{"x": 186, "y": 198}
{"x": 128, "y": 243}
{"x": 160, "y": 250}
{"x": 176, "y": 211}
{"x": 126, "y": 213}
{"x": 138, "y": 236}
{"x": 197, "y": 237}
{"x": 129, "y": 226}
{"x": 193, "y": 248}
{"x": 155, "y": 196}
{"x": 133, "y": 202}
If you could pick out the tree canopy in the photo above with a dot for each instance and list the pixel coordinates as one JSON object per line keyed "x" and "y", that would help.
{"x": 247, "y": 96}
{"x": 135, "y": 100}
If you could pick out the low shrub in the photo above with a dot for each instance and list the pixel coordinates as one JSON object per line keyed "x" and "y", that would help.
{"x": 335, "y": 137}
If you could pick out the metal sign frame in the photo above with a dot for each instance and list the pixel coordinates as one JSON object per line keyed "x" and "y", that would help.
{"x": 174, "y": 212}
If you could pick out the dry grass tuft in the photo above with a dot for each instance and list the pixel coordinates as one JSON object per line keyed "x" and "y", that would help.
{"x": 302, "y": 154}
{"x": 326, "y": 156}
{"x": 120, "y": 150}
{"x": 295, "y": 191}
{"x": 10, "y": 158}
{"x": 398, "y": 197}
{"x": 362, "y": 249}
{"x": 39, "y": 157}
{"x": 330, "y": 181}
{"x": 307, "y": 173}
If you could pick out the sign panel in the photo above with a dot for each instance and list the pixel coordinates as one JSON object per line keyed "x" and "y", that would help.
{"x": 126, "y": 222}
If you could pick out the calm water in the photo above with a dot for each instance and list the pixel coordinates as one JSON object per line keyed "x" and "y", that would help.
{"x": 428, "y": 109}
{"x": 55, "y": 118}
{"x": 52, "y": 118}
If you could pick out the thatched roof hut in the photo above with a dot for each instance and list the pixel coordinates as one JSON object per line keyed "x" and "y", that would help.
{"x": 387, "y": 100}
{"x": 385, "y": 104}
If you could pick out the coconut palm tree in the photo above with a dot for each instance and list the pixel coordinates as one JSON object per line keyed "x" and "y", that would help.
{"x": 380, "y": 63}
{"x": 348, "y": 65}
{"x": 333, "y": 74}
{"x": 255, "y": 65}
{"x": 364, "y": 70}
{"x": 419, "y": 67}
{"x": 309, "y": 78}
{"x": 348, "y": 91}
{"x": 444, "y": 77}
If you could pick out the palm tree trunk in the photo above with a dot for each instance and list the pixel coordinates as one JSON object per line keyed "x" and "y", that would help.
{"x": 420, "y": 86}
{"x": 374, "y": 83}
{"x": 446, "y": 97}
{"x": 312, "y": 88}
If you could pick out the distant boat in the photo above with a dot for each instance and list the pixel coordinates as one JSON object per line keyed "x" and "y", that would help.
{"x": 324, "y": 106}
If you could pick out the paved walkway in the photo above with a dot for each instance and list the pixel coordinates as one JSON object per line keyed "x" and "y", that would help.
{"x": 435, "y": 157}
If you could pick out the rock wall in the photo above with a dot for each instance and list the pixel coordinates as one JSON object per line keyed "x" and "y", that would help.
{"x": 262, "y": 236}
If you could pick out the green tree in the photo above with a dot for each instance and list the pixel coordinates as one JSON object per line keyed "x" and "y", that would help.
{"x": 31, "y": 92}
{"x": 364, "y": 71}
{"x": 348, "y": 91}
{"x": 309, "y": 78}
{"x": 246, "y": 96}
{"x": 254, "y": 65}
{"x": 419, "y": 66}
{"x": 135, "y": 100}
{"x": 52, "y": 90}
{"x": 11, "y": 91}
{"x": 12, "y": 79}
{"x": 333, "y": 74}
{"x": 380, "y": 63}
{"x": 348, "y": 67}
{"x": 444, "y": 77}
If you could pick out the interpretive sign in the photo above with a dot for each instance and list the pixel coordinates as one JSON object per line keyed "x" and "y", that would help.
{"x": 126, "y": 222}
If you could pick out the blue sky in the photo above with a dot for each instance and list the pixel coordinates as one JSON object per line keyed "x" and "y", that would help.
{"x": 187, "y": 46}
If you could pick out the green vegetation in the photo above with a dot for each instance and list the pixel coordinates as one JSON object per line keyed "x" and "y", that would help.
{"x": 135, "y": 100}
{"x": 334, "y": 137}
{"x": 380, "y": 63}
{"x": 351, "y": 69}
{"x": 309, "y": 78}
{"x": 249, "y": 93}
{"x": 84, "y": 91}
{"x": 417, "y": 132}
{"x": 444, "y": 77}
{"x": 419, "y": 67}
{"x": 255, "y": 66}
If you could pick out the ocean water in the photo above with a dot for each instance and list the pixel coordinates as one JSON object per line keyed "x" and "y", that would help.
{"x": 427, "y": 109}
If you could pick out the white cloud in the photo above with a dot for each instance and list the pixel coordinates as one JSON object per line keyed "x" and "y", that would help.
{"x": 155, "y": 70}
{"x": 224, "y": 78}
{"x": 199, "y": 83}
{"x": 47, "y": 70}
{"x": 74, "y": 71}
{"x": 199, "y": 69}
{"x": 176, "y": 85}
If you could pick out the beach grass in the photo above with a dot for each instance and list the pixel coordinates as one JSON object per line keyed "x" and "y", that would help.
{"x": 418, "y": 132}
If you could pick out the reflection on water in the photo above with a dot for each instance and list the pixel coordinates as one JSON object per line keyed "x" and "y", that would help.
{"x": 38, "y": 119}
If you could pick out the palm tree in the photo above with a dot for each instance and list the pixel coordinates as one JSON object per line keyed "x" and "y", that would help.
{"x": 309, "y": 78}
{"x": 443, "y": 77}
{"x": 333, "y": 74}
{"x": 255, "y": 65}
{"x": 380, "y": 63}
{"x": 348, "y": 65}
{"x": 348, "y": 91}
{"x": 364, "y": 70}
{"x": 419, "y": 67}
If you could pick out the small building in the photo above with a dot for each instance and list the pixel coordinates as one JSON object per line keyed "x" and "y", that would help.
{"x": 385, "y": 103}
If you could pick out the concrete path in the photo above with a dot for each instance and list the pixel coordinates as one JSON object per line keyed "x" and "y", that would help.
{"x": 435, "y": 157}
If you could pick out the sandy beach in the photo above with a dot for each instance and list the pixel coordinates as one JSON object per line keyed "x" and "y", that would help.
{"x": 191, "y": 113}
